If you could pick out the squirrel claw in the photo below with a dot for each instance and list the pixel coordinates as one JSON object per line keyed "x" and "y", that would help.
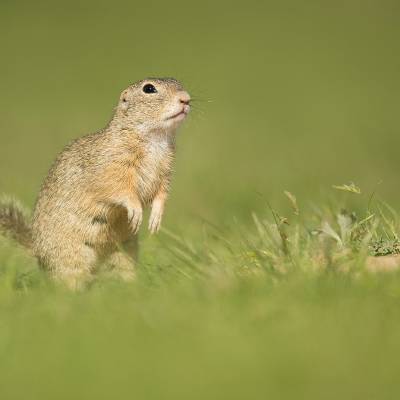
{"x": 155, "y": 221}
{"x": 135, "y": 219}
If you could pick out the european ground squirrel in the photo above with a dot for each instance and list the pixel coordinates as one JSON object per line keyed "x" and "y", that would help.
{"x": 90, "y": 206}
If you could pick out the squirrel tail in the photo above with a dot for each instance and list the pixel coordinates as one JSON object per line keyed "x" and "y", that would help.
{"x": 15, "y": 222}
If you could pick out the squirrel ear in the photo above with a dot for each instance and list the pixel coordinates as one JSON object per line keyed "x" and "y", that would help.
{"x": 124, "y": 101}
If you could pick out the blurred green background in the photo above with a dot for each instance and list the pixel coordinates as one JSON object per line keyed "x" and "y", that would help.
{"x": 292, "y": 95}
{"x": 289, "y": 95}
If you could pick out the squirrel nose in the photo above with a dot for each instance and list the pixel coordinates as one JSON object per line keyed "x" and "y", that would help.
{"x": 184, "y": 98}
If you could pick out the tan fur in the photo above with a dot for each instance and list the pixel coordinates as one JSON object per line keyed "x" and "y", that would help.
{"x": 90, "y": 206}
{"x": 14, "y": 222}
{"x": 387, "y": 263}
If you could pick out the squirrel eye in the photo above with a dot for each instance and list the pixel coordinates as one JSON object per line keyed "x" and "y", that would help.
{"x": 149, "y": 88}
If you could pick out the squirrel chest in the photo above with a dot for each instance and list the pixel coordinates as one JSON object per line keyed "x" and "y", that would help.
{"x": 153, "y": 168}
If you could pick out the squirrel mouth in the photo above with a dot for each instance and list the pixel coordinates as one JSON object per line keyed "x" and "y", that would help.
{"x": 181, "y": 114}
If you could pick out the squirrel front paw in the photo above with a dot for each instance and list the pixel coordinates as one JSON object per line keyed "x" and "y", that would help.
{"x": 135, "y": 216}
{"x": 155, "y": 217}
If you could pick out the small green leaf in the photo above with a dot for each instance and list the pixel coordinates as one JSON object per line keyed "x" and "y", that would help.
{"x": 352, "y": 188}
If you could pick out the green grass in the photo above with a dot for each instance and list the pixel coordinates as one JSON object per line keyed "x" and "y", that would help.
{"x": 282, "y": 309}
{"x": 246, "y": 293}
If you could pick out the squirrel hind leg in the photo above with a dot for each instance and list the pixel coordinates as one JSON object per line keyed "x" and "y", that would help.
{"x": 74, "y": 279}
{"x": 121, "y": 262}
{"x": 75, "y": 270}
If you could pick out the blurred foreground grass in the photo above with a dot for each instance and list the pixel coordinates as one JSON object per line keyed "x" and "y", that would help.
{"x": 283, "y": 309}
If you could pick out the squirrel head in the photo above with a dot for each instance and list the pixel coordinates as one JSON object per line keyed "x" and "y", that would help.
{"x": 152, "y": 105}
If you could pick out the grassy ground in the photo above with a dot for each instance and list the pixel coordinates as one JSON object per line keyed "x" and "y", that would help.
{"x": 283, "y": 309}
{"x": 247, "y": 292}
